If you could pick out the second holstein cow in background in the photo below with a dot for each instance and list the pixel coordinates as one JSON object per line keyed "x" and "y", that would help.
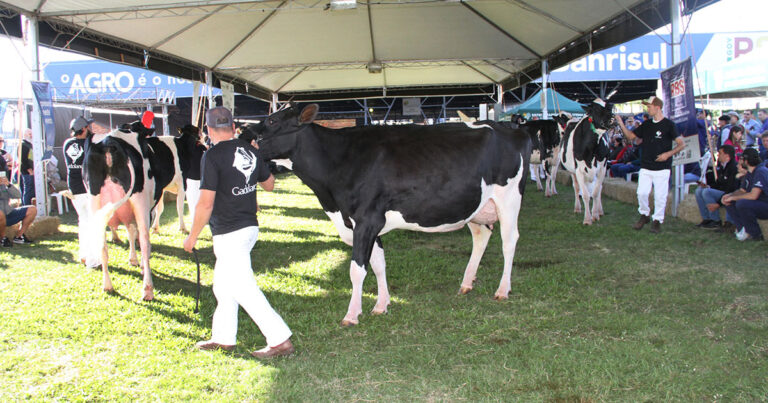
{"x": 125, "y": 174}
{"x": 547, "y": 137}
{"x": 371, "y": 180}
{"x": 584, "y": 153}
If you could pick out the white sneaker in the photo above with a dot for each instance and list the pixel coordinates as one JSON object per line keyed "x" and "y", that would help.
{"x": 742, "y": 235}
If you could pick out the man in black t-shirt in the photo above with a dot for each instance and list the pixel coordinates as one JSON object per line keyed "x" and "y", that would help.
{"x": 74, "y": 154}
{"x": 231, "y": 169}
{"x": 658, "y": 135}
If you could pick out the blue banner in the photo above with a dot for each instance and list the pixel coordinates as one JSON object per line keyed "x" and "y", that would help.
{"x": 80, "y": 78}
{"x": 679, "y": 103}
{"x": 42, "y": 91}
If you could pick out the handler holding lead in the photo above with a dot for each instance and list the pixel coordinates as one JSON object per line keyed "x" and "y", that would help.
{"x": 230, "y": 171}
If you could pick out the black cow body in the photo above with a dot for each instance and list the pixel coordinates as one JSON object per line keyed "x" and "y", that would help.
{"x": 585, "y": 155}
{"x": 125, "y": 174}
{"x": 374, "y": 179}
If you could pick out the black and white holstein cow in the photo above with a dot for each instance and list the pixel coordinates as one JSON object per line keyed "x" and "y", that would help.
{"x": 585, "y": 155}
{"x": 125, "y": 174}
{"x": 373, "y": 179}
{"x": 548, "y": 135}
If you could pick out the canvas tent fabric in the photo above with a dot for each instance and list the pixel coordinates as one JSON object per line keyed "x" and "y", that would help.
{"x": 556, "y": 102}
{"x": 307, "y": 50}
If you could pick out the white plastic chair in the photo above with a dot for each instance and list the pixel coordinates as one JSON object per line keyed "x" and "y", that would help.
{"x": 703, "y": 164}
{"x": 60, "y": 200}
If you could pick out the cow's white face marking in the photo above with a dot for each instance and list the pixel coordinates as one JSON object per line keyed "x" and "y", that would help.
{"x": 285, "y": 162}
{"x": 245, "y": 162}
{"x": 473, "y": 125}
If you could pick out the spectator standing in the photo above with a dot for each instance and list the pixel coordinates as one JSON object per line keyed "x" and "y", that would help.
{"x": 74, "y": 156}
{"x": 631, "y": 123}
{"x": 27, "y": 168}
{"x": 749, "y": 203}
{"x": 751, "y": 130}
{"x": 658, "y": 135}
{"x": 708, "y": 194}
{"x": 723, "y": 128}
{"x": 701, "y": 127}
{"x": 764, "y": 147}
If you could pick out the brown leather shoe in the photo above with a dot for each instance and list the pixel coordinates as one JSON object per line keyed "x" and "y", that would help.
{"x": 655, "y": 227}
{"x": 284, "y": 348}
{"x": 211, "y": 345}
{"x": 644, "y": 219}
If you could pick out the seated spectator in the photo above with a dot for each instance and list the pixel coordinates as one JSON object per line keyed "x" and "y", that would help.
{"x": 692, "y": 172}
{"x": 764, "y": 153}
{"x": 749, "y": 203}
{"x": 616, "y": 147}
{"x": 631, "y": 123}
{"x": 10, "y": 216}
{"x": 627, "y": 163}
{"x": 736, "y": 139}
{"x": 723, "y": 128}
{"x": 708, "y": 194}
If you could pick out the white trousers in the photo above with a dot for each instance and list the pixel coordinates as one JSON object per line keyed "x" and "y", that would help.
{"x": 82, "y": 205}
{"x": 234, "y": 285}
{"x": 193, "y": 195}
{"x": 660, "y": 182}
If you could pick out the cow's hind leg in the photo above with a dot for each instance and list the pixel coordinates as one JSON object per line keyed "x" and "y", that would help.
{"x": 598, "y": 197}
{"x": 379, "y": 265}
{"x": 509, "y": 210}
{"x": 142, "y": 223}
{"x": 585, "y": 196}
{"x": 362, "y": 247}
{"x": 158, "y": 212}
{"x": 536, "y": 170}
{"x": 480, "y": 236}
{"x": 107, "y": 282}
{"x": 132, "y": 234}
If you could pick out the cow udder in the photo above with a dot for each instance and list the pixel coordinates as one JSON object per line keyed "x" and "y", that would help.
{"x": 112, "y": 192}
{"x": 487, "y": 215}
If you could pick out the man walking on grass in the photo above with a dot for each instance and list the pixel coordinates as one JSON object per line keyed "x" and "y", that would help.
{"x": 658, "y": 134}
{"x": 230, "y": 171}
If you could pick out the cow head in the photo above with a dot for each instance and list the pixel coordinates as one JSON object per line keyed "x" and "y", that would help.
{"x": 137, "y": 127}
{"x": 601, "y": 113}
{"x": 278, "y": 133}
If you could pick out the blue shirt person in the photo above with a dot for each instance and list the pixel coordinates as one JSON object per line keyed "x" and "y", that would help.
{"x": 749, "y": 203}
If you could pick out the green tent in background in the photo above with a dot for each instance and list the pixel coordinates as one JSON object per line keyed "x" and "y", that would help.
{"x": 555, "y": 103}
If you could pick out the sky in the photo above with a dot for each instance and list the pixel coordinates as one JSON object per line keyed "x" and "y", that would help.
{"x": 723, "y": 16}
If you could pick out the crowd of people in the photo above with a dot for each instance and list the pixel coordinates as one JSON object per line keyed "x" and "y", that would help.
{"x": 737, "y": 144}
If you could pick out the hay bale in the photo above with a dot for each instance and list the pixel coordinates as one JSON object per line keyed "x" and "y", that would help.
{"x": 41, "y": 227}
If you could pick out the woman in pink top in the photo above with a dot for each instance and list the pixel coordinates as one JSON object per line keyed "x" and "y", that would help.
{"x": 736, "y": 139}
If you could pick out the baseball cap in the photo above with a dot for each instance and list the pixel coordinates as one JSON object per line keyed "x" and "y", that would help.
{"x": 734, "y": 113}
{"x": 656, "y": 101}
{"x": 79, "y": 123}
{"x": 218, "y": 117}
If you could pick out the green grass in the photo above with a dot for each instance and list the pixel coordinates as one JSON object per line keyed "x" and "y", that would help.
{"x": 599, "y": 313}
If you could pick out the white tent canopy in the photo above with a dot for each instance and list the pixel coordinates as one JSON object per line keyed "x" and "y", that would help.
{"x": 308, "y": 49}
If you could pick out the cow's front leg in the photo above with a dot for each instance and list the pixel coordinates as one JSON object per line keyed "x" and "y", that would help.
{"x": 379, "y": 266}
{"x": 576, "y": 193}
{"x": 598, "y": 198}
{"x": 480, "y": 236}
{"x": 362, "y": 247}
{"x": 180, "y": 208}
{"x": 158, "y": 212}
{"x": 132, "y": 234}
{"x": 585, "y": 196}
{"x": 141, "y": 212}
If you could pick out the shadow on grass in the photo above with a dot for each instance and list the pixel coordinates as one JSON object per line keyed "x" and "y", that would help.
{"x": 297, "y": 212}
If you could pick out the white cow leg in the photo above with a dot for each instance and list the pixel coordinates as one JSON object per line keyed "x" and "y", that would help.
{"x": 536, "y": 169}
{"x": 180, "y": 209}
{"x": 585, "y": 196}
{"x": 576, "y": 201}
{"x": 132, "y": 233}
{"x": 357, "y": 275}
{"x": 480, "y": 236}
{"x": 107, "y": 282}
{"x": 379, "y": 266}
{"x": 509, "y": 236}
{"x": 142, "y": 222}
{"x": 597, "y": 204}
{"x": 158, "y": 212}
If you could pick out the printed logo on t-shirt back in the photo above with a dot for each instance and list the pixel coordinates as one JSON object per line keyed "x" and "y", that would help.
{"x": 245, "y": 162}
{"x": 74, "y": 151}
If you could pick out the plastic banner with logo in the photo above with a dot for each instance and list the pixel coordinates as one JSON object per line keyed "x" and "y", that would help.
{"x": 679, "y": 102}
{"x": 42, "y": 91}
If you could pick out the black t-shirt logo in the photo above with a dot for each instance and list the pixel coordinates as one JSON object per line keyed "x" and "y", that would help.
{"x": 74, "y": 151}
{"x": 245, "y": 162}
{"x": 658, "y": 134}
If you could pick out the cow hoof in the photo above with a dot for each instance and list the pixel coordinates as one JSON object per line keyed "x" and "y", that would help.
{"x": 133, "y": 262}
{"x": 82, "y": 261}
{"x": 587, "y": 223}
{"x": 377, "y": 311}
{"x": 348, "y": 323}
{"x": 500, "y": 297}
{"x": 149, "y": 293}
{"x": 464, "y": 290}
{"x": 156, "y": 231}
{"x": 109, "y": 290}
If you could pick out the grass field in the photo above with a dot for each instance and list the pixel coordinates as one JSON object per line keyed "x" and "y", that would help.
{"x": 599, "y": 313}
